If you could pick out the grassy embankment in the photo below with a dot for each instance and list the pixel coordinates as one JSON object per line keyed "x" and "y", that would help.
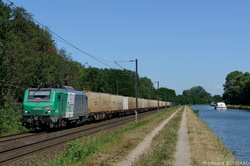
{"x": 205, "y": 147}
{"x": 111, "y": 147}
{"x": 247, "y": 107}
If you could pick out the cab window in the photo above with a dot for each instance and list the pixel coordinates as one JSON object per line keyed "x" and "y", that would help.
{"x": 39, "y": 96}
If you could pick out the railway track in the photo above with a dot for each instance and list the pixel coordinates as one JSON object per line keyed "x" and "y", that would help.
{"x": 31, "y": 144}
{"x": 14, "y": 136}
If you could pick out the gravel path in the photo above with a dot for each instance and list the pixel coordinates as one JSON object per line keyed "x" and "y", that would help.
{"x": 182, "y": 154}
{"x": 145, "y": 144}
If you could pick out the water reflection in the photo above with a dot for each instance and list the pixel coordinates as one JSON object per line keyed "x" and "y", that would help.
{"x": 232, "y": 126}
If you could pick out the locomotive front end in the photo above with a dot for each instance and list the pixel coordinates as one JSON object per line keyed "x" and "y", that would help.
{"x": 38, "y": 108}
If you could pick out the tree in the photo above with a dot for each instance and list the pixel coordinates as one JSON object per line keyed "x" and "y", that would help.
{"x": 236, "y": 88}
{"x": 166, "y": 94}
{"x": 197, "y": 95}
{"x": 146, "y": 88}
{"x": 5, "y": 25}
{"x": 93, "y": 80}
{"x": 217, "y": 98}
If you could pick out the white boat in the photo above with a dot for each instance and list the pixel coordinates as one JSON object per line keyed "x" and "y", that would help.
{"x": 220, "y": 106}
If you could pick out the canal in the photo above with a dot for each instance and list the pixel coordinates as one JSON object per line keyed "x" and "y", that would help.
{"x": 232, "y": 126}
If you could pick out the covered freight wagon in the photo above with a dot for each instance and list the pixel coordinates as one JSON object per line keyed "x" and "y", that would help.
{"x": 116, "y": 103}
{"x": 99, "y": 105}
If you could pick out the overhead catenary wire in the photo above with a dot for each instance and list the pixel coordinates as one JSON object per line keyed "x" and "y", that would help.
{"x": 65, "y": 41}
{"x": 126, "y": 70}
{"x": 119, "y": 65}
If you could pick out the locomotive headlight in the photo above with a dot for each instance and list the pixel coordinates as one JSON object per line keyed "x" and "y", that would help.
{"x": 26, "y": 112}
{"x": 47, "y": 112}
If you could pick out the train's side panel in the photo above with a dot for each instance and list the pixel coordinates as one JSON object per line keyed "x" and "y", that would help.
{"x": 120, "y": 102}
{"x": 74, "y": 105}
{"x": 142, "y": 103}
{"x": 160, "y": 103}
{"x": 151, "y": 103}
{"x": 80, "y": 106}
{"x": 134, "y": 103}
{"x": 105, "y": 102}
{"x": 131, "y": 103}
{"x": 94, "y": 102}
{"x": 139, "y": 103}
{"x": 125, "y": 103}
{"x": 155, "y": 103}
{"x": 168, "y": 104}
{"x": 116, "y": 102}
{"x": 145, "y": 103}
{"x": 69, "y": 104}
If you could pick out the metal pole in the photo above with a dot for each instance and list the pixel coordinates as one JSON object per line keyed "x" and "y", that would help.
{"x": 62, "y": 71}
{"x": 158, "y": 95}
{"x": 117, "y": 87}
{"x": 136, "y": 90}
{"x": 165, "y": 97}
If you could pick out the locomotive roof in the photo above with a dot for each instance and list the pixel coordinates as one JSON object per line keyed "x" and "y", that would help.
{"x": 55, "y": 87}
{"x": 58, "y": 89}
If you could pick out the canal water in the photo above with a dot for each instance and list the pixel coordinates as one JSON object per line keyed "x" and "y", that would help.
{"x": 232, "y": 126}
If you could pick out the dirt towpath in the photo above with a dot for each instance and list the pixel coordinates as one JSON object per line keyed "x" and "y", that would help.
{"x": 182, "y": 154}
{"x": 145, "y": 144}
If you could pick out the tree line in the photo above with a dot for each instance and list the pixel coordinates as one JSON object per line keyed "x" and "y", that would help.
{"x": 29, "y": 56}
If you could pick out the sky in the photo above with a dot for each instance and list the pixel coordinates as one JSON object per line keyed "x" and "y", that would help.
{"x": 180, "y": 43}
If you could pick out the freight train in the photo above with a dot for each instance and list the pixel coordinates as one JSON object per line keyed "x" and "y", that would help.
{"x": 53, "y": 106}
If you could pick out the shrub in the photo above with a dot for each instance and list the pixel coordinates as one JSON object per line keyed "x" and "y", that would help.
{"x": 10, "y": 114}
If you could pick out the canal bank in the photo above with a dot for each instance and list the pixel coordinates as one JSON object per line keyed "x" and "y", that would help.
{"x": 231, "y": 126}
{"x": 244, "y": 107}
{"x": 205, "y": 147}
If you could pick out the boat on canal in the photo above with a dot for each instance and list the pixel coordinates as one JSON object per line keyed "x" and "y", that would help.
{"x": 220, "y": 106}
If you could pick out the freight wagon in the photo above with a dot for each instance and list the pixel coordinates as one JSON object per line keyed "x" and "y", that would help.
{"x": 53, "y": 106}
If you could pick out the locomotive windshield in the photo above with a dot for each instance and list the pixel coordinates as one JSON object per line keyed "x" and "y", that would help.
{"x": 39, "y": 96}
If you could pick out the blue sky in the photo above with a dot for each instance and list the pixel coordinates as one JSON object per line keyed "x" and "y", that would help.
{"x": 180, "y": 43}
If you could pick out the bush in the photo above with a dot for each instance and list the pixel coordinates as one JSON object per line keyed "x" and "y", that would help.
{"x": 10, "y": 114}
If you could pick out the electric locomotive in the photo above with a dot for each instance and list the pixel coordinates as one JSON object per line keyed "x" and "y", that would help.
{"x": 52, "y": 106}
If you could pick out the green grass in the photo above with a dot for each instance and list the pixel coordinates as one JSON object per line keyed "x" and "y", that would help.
{"x": 163, "y": 145}
{"x": 247, "y": 107}
{"x": 196, "y": 112}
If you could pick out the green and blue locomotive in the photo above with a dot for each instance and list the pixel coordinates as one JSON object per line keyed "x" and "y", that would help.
{"x": 52, "y": 106}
